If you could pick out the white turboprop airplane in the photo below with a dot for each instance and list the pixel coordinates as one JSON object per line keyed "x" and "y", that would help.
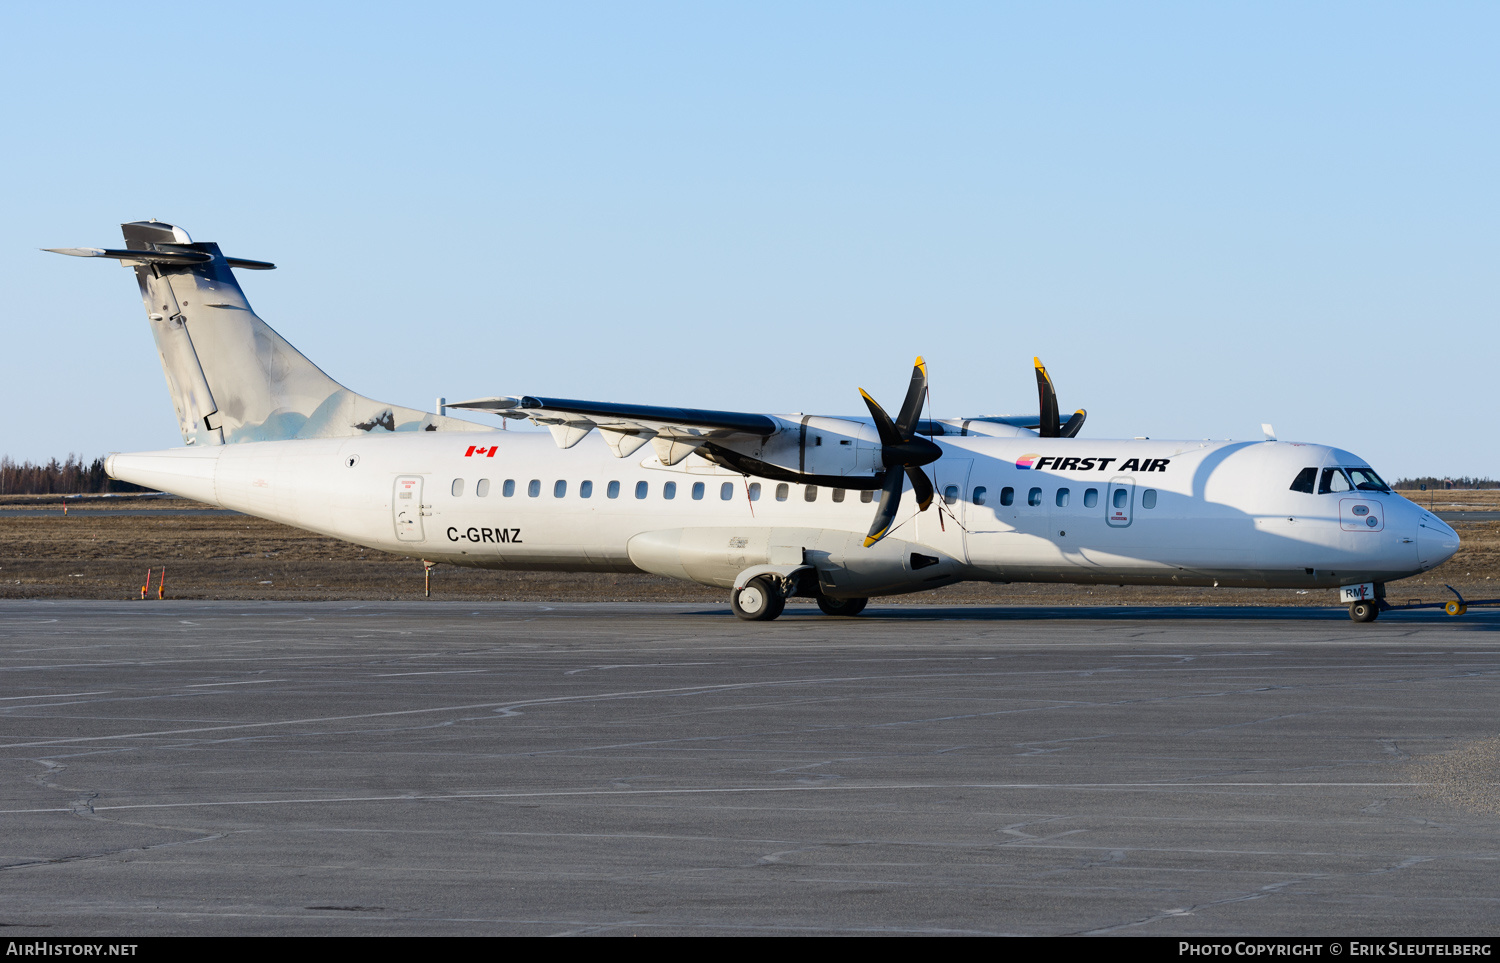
{"x": 764, "y": 506}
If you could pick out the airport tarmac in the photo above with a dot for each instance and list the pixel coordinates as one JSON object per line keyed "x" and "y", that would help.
{"x": 407, "y": 768}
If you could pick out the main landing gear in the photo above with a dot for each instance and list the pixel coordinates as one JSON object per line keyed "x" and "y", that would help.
{"x": 761, "y": 600}
{"x": 844, "y": 607}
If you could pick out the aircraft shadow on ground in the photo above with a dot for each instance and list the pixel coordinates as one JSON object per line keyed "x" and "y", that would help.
{"x": 1481, "y": 621}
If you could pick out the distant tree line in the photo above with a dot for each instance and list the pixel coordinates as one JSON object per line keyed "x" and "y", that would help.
{"x": 71, "y": 477}
{"x": 1438, "y": 484}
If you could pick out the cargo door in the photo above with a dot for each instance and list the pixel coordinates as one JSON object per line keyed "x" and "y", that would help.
{"x": 407, "y": 508}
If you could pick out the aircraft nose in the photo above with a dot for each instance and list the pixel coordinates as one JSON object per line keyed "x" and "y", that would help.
{"x": 1436, "y": 542}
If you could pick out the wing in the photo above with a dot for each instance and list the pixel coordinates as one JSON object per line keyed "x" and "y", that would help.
{"x": 674, "y": 432}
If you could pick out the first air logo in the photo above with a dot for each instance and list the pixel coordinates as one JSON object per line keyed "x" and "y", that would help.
{"x": 1090, "y": 464}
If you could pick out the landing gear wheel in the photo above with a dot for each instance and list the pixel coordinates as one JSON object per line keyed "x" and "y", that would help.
{"x": 759, "y": 601}
{"x": 845, "y": 607}
{"x": 1364, "y": 611}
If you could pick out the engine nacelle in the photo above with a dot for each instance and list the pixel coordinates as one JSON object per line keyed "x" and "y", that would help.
{"x": 807, "y": 448}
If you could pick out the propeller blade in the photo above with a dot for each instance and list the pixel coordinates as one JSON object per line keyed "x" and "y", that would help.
{"x": 921, "y": 488}
{"x": 1048, "y": 396}
{"x": 890, "y": 435}
{"x": 916, "y": 393}
{"x": 1070, "y": 430}
{"x": 885, "y": 512}
{"x": 903, "y": 453}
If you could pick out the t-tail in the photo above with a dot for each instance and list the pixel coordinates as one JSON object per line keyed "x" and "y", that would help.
{"x": 232, "y": 378}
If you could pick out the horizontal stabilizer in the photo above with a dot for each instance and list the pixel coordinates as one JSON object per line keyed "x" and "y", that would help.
{"x": 159, "y": 257}
{"x": 143, "y": 257}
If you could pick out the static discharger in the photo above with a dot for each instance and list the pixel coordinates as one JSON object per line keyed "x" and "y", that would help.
{"x": 161, "y": 585}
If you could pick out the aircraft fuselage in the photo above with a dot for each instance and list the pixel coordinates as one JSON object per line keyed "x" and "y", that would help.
{"x": 1008, "y": 509}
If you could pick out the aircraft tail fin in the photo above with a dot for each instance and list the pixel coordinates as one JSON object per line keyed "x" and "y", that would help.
{"x": 231, "y": 377}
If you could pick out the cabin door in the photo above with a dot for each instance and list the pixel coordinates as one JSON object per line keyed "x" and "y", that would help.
{"x": 1120, "y": 506}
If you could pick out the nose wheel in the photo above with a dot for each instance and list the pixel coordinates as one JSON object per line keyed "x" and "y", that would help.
{"x": 1364, "y": 611}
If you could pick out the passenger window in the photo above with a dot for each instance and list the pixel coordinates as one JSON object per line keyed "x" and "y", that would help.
{"x": 697, "y": 491}
{"x": 1034, "y": 497}
{"x": 613, "y": 490}
{"x": 534, "y": 488}
{"x": 585, "y": 489}
{"x": 1305, "y": 480}
{"x": 482, "y": 487}
{"x": 559, "y": 489}
{"x": 641, "y": 489}
{"x": 980, "y": 494}
{"x": 669, "y": 491}
{"x": 950, "y": 494}
{"x": 838, "y": 494}
{"x": 509, "y": 488}
{"x": 867, "y": 496}
{"x": 1122, "y": 497}
{"x": 755, "y": 491}
{"x": 1148, "y": 498}
{"x": 810, "y": 493}
{"x": 1091, "y": 498}
{"x": 458, "y": 487}
{"x": 1062, "y": 497}
{"x": 1007, "y": 496}
{"x": 1333, "y": 481}
{"x": 726, "y": 491}
{"x": 782, "y": 491}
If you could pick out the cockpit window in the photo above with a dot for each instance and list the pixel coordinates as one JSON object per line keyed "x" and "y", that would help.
{"x": 1366, "y": 480}
{"x": 1334, "y": 480}
{"x": 1305, "y": 480}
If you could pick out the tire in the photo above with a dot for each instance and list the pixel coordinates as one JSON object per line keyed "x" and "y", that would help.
{"x": 759, "y": 601}
{"x": 1364, "y": 611}
{"x": 1455, "y": 608}
{"x": 843, "y": 607}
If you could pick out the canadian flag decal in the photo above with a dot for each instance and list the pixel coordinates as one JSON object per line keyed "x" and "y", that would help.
{"x": 486, "y": 452}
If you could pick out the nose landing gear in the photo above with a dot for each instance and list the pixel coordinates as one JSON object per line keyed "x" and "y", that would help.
{"x": 1364, "y": 611}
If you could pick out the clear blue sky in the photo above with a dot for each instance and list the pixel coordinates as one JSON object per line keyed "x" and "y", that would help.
{"x": 1202, "y": 216}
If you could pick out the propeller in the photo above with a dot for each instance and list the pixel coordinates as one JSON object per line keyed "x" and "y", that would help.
{"x": 902, "y": 450}
{"x": 1050, "y": 426}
